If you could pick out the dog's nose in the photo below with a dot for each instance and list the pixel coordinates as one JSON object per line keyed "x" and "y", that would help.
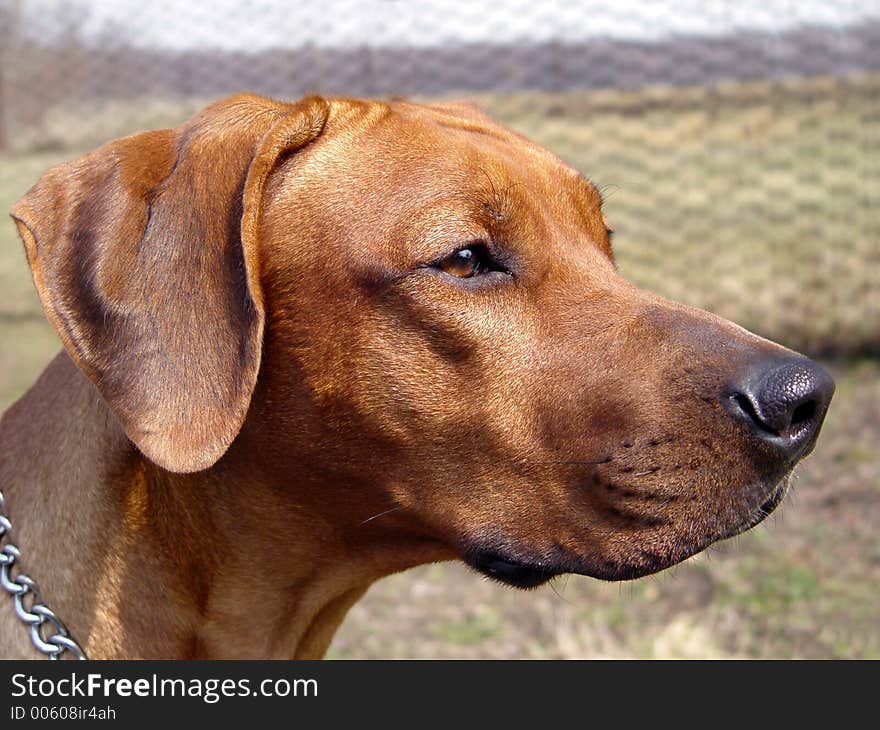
{"x": 784, "y": 402}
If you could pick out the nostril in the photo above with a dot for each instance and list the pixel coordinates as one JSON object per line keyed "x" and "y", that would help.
{"x": 803, "y": 413}
{"x": 748, "y": 408}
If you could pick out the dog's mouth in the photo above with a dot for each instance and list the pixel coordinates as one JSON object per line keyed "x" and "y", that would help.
{"x": 511, "y": 567}
{"x": 522, "y": 574}
{"x": 508, "y": 571}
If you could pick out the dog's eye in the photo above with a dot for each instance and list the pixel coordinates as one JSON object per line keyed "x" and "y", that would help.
{"x": 467, "y": 262}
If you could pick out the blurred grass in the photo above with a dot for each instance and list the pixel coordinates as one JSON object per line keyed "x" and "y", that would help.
{"x": 758, "y": 202}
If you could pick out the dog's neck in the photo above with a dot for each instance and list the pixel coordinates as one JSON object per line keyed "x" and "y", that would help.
{"x": 139, "y": 562}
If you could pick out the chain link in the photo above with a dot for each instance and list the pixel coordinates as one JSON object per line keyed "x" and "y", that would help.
{"x": 48, "y": 633}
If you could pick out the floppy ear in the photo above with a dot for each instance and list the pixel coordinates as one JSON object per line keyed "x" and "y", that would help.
{"x": 145, "y": 257}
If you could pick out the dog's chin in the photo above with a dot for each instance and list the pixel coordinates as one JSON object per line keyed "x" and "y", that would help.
{"x": 767, "y": 507}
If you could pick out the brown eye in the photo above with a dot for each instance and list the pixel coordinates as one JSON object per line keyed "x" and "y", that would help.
{"x": 472, "y": 262}
{"x": 464, "y": 263}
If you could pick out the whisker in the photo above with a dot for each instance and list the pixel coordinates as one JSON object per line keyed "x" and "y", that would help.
{"x": 562, "y": 586}
{"x": 606, "y": 191}
{"x": 387, "y": 511}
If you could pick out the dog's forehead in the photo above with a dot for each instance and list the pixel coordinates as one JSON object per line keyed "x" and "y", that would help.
{"x": 471, "y": 126}
{"x": 389, "y": 172}
{"x": 435, "y": 150}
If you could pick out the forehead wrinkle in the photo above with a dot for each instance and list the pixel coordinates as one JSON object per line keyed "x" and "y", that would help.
{"x": 489, "y": 130}
{"x": 479, "y": 127}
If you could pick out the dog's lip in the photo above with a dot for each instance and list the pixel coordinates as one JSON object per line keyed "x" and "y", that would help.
{"x": 508, "y": 570}
{"x": 521, "y": 573}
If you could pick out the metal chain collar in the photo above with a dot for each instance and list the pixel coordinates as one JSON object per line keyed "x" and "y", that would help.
{"x": 37, "y": 615}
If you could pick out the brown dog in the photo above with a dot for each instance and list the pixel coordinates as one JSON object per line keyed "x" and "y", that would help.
{"x": 308, "y": 345}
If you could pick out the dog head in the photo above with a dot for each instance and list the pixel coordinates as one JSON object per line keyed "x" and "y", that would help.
{"x": 412, "y": 313}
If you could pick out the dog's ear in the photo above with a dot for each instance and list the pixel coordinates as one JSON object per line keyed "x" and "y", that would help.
{"x": 145, "y": 257}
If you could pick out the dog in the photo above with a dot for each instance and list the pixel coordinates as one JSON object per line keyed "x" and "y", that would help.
{"x": 311, "y": 344}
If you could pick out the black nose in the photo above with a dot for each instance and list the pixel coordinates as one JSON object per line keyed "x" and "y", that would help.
{"x": 784, "y": 402}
